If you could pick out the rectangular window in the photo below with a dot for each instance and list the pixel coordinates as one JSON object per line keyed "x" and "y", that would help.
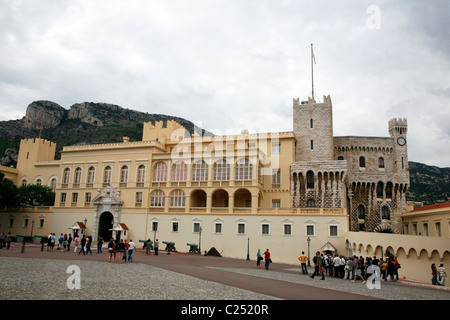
{"x": 75, "y": 197}
{"x": 287, "y": 229}
{"x": 25, "y": 222}
{"x": 155, "y": 225}
{"x": 438, "y": 229}
{"x": 41, "y": 223}
{"x": 276, "y": 148}
{"x": 334, "y": 231}
{"x": 276, "y": 177}
{"x": 310, "y": 230}
{"x": 10, "y": 222}
{"x": 88, "y": 197}
{"x": 276, "y": 203}
{"x": 63, "y": 197}
{"x": 175, "y": 226}
{"x": 265, "y": 228}
{"x": 312, "y": 145}
{"x": 138, "y": 197}
{"x": 196, "y": 227}
{"x": 425, "y": 229}
{"x": 218, "y": 227}
{"x": 241, "y": 228}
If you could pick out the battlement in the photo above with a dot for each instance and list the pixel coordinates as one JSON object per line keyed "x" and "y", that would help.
{"x": 398, "y": 126}
{"x": 37, "y": 141}
{"x": 296, "y": 101}
{"x": 172, "y": 131}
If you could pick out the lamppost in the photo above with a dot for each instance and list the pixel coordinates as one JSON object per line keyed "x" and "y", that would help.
{"x": 308, "y": 240}
{"x": 248, "y": 249}
{"x": 85, "y": 223}
{"x": 32, "y": 226}
{"x": 199, "y": 240}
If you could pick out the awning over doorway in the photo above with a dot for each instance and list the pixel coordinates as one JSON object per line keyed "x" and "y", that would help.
{"x": 77, "y": 226}
{"x": 328, "y": 247}
{"x": 119, "y": 227}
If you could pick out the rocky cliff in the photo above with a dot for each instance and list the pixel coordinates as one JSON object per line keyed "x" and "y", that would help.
{"x": 83, "y": 123}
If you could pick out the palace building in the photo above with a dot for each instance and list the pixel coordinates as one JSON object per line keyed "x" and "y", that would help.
{"x": 238, "y": 193}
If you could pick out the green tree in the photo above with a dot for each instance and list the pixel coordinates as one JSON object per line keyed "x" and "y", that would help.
{"x": 8, "y": 192}
{"x": 36, "y": 195}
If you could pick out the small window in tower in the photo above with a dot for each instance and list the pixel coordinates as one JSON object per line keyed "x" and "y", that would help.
{"x": 312, "y": 145}
{"x": 311, "y": 122}
{"x": 362, "y": 162}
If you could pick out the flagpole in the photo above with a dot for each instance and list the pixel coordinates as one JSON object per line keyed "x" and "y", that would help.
{"x": 312, "y": 71}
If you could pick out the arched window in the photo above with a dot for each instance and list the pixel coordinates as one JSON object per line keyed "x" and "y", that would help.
{"x": 311, "y": 203}
{"x": 389, "y": 190}
{"x": 91, "y": 175}
{"x": 77, "y": 178}
{"x": 243, "y": 170}
{"x": 157, "y": 199}
{"x": 107, "y": 175}
{"x": 361, "y": 212}
{"x": 160, "y": 172}
{"x": 221, "y": 170}
{"x": 66, "y": 176}
{"x": 53, "y": 184}
{"x": 385, "y": 213}
{"x": 179, "y": 171}
{"x": 310, "y": 179}
{"x": 141, "y": 174}
{"x": 39, "y": 182}
{"x": 380, "y": 189}
{"x": 177, "y": 198}
{"x": 124, "y": 174}
{"x": 200, "y": 171}
{"x": 340, "y": 158}
{"x": 380, "y": 162}
{"x": 362, "y": 162}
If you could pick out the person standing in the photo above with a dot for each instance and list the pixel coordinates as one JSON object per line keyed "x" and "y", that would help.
{"x": 99, "y": 244}
{"x": 358, "y": 271}
{"x": 69, "y": 241}
{"x": 318, "y": 266}
{"x": 111, "y": 249}
{"x": 8, "y": 240}
{"x": 76, "y": 242}
{"x": 120, "y": 251}
{"x": 337, "y": 266}
{"x": 82, "y": 245}
{"x": 434, "y": 273}
{"x": 267, "y": 258}
{"x": 303, "y": 259}
{"x": 442, "y": 274}
{"x": 130, "y": 250}
{"x": 88, "y": 244}
{"x": 258, "y": 258}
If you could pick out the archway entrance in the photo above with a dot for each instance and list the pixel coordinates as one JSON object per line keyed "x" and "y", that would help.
{"x": 105, "y": 224}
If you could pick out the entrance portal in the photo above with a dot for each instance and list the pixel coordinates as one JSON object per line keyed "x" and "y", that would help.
{"x": 104, "y": 226}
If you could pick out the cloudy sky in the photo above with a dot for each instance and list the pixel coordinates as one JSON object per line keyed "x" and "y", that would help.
{"x": 237, "y": 64}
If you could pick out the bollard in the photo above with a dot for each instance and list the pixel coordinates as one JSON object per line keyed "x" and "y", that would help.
{"x": 23, "y": 245}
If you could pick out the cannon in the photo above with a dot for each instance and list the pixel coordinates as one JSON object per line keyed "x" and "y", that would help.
{"x": 193, "y": 247}
{"x": 170, "y": 246}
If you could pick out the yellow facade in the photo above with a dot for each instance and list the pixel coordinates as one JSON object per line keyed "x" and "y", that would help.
{"x": 236, "y": 188}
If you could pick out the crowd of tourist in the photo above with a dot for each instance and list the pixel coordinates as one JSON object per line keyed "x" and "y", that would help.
{"x": 352, "y": 268}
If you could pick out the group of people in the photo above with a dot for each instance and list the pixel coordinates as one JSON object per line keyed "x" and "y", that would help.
{"x": 259, "y": 258}
{"x": 351, "y": 268}
{"x": 5, "y": 240}
{"x": 120, "y": 251}
{"x": 149, "y": 245}
{"x": 438, "y": 275}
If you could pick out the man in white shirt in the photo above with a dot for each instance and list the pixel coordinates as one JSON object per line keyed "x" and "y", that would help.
{"x": 337, "y": 265}
{"x": 130, "y": 250}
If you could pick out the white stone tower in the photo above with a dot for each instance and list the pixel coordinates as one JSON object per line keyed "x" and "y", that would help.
{"x": 313, "y": 129}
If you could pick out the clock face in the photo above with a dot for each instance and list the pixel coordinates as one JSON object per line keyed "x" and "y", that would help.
{"x": 401, "y": 141}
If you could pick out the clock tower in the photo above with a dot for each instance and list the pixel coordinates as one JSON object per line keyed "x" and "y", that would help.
{"x": 398, "y": 128}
